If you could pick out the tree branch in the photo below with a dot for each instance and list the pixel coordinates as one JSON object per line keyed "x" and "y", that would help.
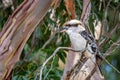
{"x": 17, "y": 31}
{"x": 54, "y": 53}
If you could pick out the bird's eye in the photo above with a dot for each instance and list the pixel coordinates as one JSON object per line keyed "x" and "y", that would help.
{"x": 72, "y": 25}
{"x": 68, "y": 25}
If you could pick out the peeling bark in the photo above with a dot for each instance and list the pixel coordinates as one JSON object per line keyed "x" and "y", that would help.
{"x": 17, "y": 31}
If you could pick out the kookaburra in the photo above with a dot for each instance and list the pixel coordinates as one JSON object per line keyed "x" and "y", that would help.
{"x": 79, "y": 37}
{"x": 81, "y": 40}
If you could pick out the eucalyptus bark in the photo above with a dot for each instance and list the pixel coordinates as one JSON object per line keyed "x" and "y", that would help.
{"x": 17, "y": 31}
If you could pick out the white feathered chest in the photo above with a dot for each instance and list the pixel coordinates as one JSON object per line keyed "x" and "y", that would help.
{"x": 78, "y": 42}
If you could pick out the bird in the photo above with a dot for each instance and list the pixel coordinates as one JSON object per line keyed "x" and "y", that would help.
{"x": 80, "y": 39}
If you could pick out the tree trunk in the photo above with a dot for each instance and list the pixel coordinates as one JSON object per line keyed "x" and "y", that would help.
{"x": 17, "y": 31}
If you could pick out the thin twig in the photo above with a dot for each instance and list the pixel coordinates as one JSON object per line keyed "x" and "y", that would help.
{"x": 54, "y": 32}
{"x": 112, "y": 47}
{"x": 103, "y": 21}
{"x": 86, "y": 11}
{"x": 49, "y": 40}
{"x": 112, "y": 66}
{"x": 54, "y": 53}
{"x": 50, "y": 68}
{"x": 33, "y": 43}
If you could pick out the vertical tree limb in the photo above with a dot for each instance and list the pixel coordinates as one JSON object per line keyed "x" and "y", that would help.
{"x": 86, "y": 11}
{"x": 17, "y": 30}
{"x": 70, "y": 8}
{"x": 71, "y": 55}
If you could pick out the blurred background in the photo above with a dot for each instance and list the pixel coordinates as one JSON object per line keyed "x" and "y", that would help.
{"x": 45, "y": 40}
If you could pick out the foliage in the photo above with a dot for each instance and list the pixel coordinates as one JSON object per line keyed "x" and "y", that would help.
{"x": 34, "y": 55}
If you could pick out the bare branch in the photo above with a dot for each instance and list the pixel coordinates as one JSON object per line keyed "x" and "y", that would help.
{"x": 91, "y": 74}
{"x": 111, "y": 48}
{"x": 108, "y": 36}
{"x": 103, "y": 22}
{"x": 70, "y": 8}
{"x": 76, "y": 68}
{"x": 86, "y": 11}
{"x": 49, "y": 40}
{"x": 54, "y": 53}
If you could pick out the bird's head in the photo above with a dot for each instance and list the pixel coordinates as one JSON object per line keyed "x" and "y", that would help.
{"x": 72, "y": 26}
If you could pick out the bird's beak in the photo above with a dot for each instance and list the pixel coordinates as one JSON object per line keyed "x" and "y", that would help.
{"x": 62, "y": 29}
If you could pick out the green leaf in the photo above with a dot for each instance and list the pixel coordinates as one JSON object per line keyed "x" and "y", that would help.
{"x": 25, "y": 78}
{"x": 116, "y": 1}
{"x": 15, "y": 77}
